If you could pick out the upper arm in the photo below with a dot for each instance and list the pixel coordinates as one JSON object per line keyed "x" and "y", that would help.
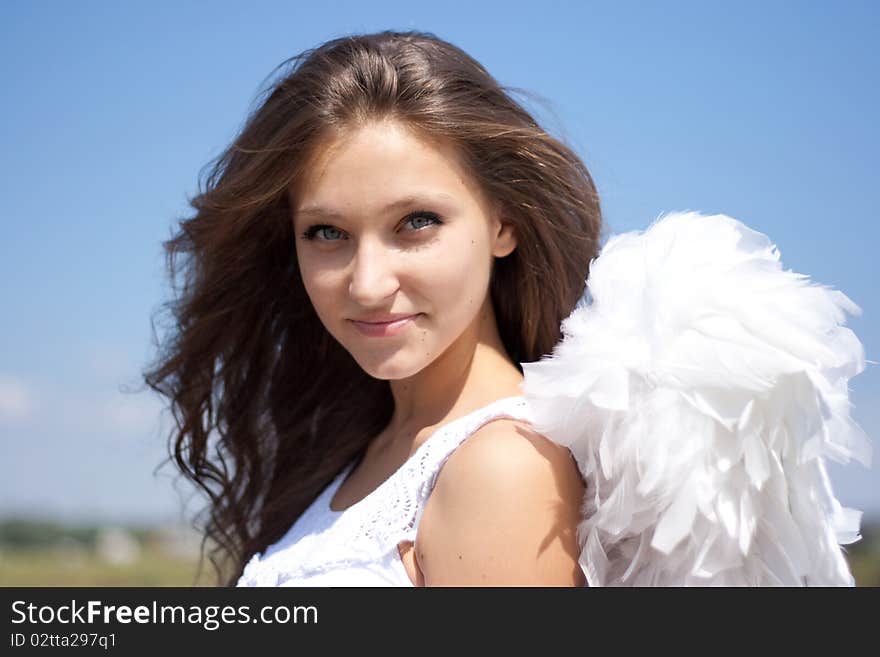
{"x": 504, "y": 511}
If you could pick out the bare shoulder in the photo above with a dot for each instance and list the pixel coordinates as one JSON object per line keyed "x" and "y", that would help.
{"x": 504, "y": 511}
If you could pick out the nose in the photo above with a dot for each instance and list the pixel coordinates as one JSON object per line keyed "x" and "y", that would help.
{"x": 373, "y": 278}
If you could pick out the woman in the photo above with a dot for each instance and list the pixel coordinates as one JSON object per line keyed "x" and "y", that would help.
{"x": 368, "y": 377}
{"x": 389, "y": 237}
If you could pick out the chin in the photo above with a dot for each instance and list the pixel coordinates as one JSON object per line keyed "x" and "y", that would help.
{"x": 387, "y": 372}
{"x": 393, "y": 368}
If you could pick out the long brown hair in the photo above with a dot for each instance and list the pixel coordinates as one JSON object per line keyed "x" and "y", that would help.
{"x": 268, "y": 407}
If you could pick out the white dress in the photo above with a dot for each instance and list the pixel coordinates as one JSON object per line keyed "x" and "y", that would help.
{"x": 358, "y": 546}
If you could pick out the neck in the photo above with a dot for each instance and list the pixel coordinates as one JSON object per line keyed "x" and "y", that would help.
{"x": 474, "y": 371}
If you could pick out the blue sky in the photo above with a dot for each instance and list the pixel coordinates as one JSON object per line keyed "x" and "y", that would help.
{"x": 762, "y": 111}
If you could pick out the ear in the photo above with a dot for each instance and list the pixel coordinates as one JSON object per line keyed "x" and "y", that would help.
{"x": 505, "y": 239}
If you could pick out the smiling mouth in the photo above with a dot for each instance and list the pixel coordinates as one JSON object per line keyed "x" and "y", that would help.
{"x": 384, "y": 329}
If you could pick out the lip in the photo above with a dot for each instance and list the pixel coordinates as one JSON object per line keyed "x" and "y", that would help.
{"x": 381, "y": 329}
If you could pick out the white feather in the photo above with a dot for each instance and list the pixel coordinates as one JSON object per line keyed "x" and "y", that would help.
{"x": 700, "y": 387}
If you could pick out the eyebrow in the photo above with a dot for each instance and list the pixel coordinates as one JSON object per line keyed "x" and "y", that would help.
{"x": 406, "y": 201}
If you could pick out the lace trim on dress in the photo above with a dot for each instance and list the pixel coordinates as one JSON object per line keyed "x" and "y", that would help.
{"x": 369, "y": 530}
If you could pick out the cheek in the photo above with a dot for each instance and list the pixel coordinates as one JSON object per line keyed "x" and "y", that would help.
{"x": 321, "y": 285}
{"x": 457, "y": 282}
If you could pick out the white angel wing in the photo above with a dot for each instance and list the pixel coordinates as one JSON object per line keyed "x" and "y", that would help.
{"x": 699, "y": 387}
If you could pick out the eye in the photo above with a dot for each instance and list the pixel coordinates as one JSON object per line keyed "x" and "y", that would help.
{"x": 419, "y": 215}
{"x": 310, "y": 233}
{"x": 420, "y": 219}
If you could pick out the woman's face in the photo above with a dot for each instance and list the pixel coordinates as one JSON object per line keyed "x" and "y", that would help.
{"x": 389, "y": 224}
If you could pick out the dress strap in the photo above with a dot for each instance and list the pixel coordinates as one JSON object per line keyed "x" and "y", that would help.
{"x": 367, "y": 534}
{"x": 441, "y": 446}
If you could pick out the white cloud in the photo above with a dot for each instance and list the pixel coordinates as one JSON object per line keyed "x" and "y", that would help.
{"x": 17, "y": 401}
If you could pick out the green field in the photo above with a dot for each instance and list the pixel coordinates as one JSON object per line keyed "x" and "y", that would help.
{"x": 45, "y": 567}
{"x": 47, "y": 554}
